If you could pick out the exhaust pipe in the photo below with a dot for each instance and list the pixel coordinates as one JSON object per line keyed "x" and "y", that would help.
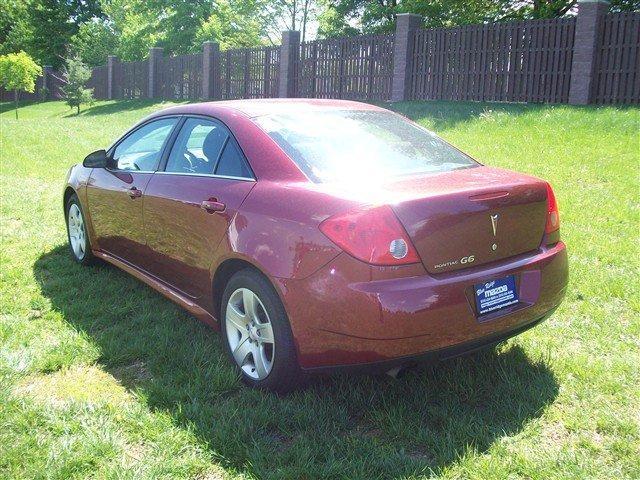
{"x": 394, "y": 372}
{"x": 399, "y": 371}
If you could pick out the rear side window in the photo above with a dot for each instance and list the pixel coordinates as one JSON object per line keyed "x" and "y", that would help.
{"x": 206, "y": 147}
{"x": 197, "y": 148}
{"x": 232, "y": 163}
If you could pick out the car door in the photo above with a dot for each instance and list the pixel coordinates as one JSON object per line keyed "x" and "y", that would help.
{"x": 190, "y": 203}
{"x": 115, "y": 195}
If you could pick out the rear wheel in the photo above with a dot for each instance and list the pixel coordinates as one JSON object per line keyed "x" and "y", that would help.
{"x": 77, "y": 232}
{"x": 256, "y": 333}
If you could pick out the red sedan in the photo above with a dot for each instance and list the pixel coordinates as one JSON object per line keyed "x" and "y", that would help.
{"x": 319, "y": 235}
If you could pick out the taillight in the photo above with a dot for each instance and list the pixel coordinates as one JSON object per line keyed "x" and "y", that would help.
{"x": 553, "y": 216}
{"x": 371, "y": 234}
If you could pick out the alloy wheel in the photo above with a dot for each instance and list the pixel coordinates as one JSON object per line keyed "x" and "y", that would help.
{"x": 249, "y": 333}
{"x": 77, "y": 234}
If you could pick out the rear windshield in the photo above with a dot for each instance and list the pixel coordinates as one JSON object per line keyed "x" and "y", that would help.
{"x": 337, "y": 145}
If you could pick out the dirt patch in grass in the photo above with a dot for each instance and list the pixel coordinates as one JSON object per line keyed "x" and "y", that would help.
{"x": 132, "y": 374}
{"x": 77, "y": 384}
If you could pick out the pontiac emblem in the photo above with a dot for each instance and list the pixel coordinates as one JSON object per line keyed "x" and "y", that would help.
{"x": 494, "y": 223}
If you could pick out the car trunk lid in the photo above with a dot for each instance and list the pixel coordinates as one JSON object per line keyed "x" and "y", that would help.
{"x": 471, "y": 217}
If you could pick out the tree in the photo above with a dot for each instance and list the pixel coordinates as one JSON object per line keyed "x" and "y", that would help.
{"x": 15, "y": 31}
{"x": 289, "y": 15}
{"x": 52, "y": 23}
{"x": 353, "y": 17}
{"x": 77, "y": 74}
{"x": 558, "y": 8}
{"x": 230, "y": 28}
{"x": 625, "y": 6}
{"x": 94, "y": 42}
{"x": 18, "y": 72}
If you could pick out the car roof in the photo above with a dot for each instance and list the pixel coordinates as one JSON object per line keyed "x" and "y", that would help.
{"x": 258, "y": 107}
{"x": 266, "y": 157}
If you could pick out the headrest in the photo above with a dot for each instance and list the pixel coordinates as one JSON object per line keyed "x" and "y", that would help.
{"x": 213, "y": 143}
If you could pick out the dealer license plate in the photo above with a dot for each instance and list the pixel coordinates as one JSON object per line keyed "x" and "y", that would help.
{"x": 496, "y": 294}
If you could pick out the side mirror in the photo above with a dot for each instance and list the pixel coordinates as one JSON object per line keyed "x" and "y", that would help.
{"x": 97, "y": 159}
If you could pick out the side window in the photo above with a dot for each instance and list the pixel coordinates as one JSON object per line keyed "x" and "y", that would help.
{"x": 198, "y": 146}
{"x": 232, "y": 163}
{"x": 140, "y": 151}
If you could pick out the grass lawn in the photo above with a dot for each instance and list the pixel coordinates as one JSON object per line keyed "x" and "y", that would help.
{"x": 101, "y": 377}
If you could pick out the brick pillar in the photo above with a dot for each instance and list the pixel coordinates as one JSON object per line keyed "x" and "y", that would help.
{"x": 289, "y": 53}
{"x": 111, "y": 88}
{"x": 46, "y": 83}
{"x": 406, "y": 25}
{"x": 245, "y": 68}
{"x": 210, "y": 70}
{"x": 155, "y": 57}
{"x": 266, "y": 74}
{"x": 585, "y": 50}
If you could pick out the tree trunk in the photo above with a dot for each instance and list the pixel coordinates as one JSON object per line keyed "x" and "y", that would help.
{"x": 294, "y": 14}
{"x": 78, "y": 107}
{"x": 304, "y": 19}
{"x": 15, "y": 98}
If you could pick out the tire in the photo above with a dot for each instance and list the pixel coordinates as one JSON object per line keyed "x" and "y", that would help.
{"x": 276, "y": 368}
{"x": 79, "y": 244}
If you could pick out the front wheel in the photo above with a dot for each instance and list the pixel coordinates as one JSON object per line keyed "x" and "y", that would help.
{"x": 77, "y": 232}
{"x": 256, "y": 333}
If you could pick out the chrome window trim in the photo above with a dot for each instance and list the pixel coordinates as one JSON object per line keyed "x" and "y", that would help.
{"x": 210, "y": 175}
{"x": 138, "y": 125}
{"x": 117, "y": 170}
{"x": 143, "y": 123}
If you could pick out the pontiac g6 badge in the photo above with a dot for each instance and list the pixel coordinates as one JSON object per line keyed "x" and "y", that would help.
{"x": 494, "y": 226}
{"x": 494, "y": 223}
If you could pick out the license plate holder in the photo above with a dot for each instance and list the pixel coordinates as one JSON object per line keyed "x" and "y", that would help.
{"x": 495, "y": 294}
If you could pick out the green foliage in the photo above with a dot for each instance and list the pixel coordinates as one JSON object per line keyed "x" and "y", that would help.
{"x": 94, "y": 42}
{"x": 352, "y": 17}
{"x": 77, "y": 74}
{"x": 180, "y": 21}
{"x": 52, "y": 23}
{"x": 43, "y": 28}
{"x": 136, "y": 27}
{"x": 181, "y": 27}
{"x": 15, "y": 30}
{"x": 50, "y": 31}
{"x": 625, "y": 6}
{"x": 229, "y": 27}
{"x": 18, "y": 71}
{"x": 338, "y": 20}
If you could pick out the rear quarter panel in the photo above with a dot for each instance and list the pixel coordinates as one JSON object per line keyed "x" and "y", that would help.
{"x": 276, "y": 229}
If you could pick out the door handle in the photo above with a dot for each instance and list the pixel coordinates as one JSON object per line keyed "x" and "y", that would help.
{"x": 133, "y": 192}
{"x": 212, "y": 206}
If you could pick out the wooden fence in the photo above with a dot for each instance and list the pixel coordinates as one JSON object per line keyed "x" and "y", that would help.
{"x": 356, "y": 68}
{"x": 179, "y": 78}
{"x": 513, "y": 62}
{"x": 618, "y": 66}
{"x": 98, "y": 82}
{"x": 248, "y": 73}
{"x": 593, "y": 57}
{"x": 131, "y": 79}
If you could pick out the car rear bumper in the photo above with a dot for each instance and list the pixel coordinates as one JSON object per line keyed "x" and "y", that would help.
{"x": 431, "y": 356}
{"x": 338, "y": 320}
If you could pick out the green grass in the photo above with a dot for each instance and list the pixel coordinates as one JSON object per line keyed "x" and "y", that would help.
{"x": 101, "y": 377}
